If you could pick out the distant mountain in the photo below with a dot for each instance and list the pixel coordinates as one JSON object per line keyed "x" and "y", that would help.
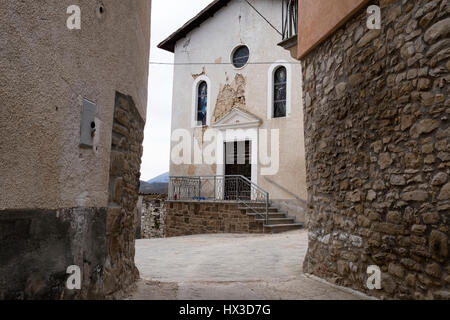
{"x": 164, "y": 178}
{"x": 159, "y": 185}
{"x": 158, "y": 188}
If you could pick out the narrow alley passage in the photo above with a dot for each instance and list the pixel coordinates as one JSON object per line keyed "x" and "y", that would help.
{"x": 230, "y": 267}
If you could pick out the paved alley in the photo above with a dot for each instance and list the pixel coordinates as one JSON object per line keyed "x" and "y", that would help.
{"x": 229, "y": 267}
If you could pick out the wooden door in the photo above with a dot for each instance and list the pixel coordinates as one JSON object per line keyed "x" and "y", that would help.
{"x": 238, "y": 163}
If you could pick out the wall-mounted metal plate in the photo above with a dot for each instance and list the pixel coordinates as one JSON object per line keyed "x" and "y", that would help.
{"x": 88, "y": 112}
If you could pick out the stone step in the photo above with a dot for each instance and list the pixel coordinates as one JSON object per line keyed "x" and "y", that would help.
{"x": 283, "y": 227}
{"x": 255, "y": 204}
{"x": 278, "y": 221}
{"x": 259, "y": 209}
{"x": 272, "y": 215}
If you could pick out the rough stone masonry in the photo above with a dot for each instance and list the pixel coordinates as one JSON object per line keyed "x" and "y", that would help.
{"x": 153, "y": 216}
{"x": 126, "y": 153}
{"x": 378, "y": 157}
{"x": 208, "y": 217}
{"x": 63, "y": 202}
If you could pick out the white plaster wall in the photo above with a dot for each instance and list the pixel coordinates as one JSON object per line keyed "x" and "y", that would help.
{"x": 46, "y": 69}
{"x": 214, "y": 41}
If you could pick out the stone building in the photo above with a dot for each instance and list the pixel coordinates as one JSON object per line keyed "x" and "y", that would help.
{"x": 377, "y": 142}
{"x": 73, "y": 113}
{"x": 232, "y": 89}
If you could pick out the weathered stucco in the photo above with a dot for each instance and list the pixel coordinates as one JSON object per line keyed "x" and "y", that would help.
{"x": 37, "y": 246}
{"x": 245, "y": 88}
{"x": 46, "y": 71}
{"x": 56, "y": 205}
{"x": 231, "y": 95}
{"x": 190, "y": 217}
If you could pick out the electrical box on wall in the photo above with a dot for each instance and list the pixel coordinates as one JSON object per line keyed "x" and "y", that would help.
{"x": 87, "y": 132}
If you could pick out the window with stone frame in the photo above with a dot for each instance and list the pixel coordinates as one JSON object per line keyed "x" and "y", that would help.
{"x": 279, "y": 92}
{"x": 202, "y": 103}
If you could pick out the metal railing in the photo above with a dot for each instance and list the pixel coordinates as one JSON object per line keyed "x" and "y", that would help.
{"x": 221, "y": 188}
{"x": 290, "y": 18}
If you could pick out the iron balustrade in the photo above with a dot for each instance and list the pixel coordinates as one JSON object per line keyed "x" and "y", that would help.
{"x": 221, "y": 188}
{"x": 289, "y": 18}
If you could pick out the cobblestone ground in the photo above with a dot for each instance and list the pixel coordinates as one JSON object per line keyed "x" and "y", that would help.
{"x": 229, "y": 266}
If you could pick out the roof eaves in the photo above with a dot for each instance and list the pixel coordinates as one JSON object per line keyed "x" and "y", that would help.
{"x": 169, "y": 43}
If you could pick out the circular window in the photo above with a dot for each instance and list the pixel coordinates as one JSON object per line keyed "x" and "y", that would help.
{"x": 240, "y": 56}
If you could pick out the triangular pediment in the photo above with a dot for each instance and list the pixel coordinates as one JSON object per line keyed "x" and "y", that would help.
{"x": 237, "y": 118}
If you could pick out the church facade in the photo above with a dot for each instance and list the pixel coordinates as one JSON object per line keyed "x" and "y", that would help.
{"x": 237, "y": 109}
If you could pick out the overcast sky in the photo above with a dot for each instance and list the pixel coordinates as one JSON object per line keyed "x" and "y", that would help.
{"x": 167, "y": 16}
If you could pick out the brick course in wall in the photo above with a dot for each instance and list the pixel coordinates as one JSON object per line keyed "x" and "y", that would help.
{"x": 189, "y": 218}
{"x": 378, "y": 157}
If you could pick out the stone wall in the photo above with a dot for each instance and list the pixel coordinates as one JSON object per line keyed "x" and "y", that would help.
{"x": 153, "y": 216}
{"x": 378, "y": 156}
{"x": 126, "y": 154}
{"x": 37, "y": 246}
{"x": 205, "y": 217}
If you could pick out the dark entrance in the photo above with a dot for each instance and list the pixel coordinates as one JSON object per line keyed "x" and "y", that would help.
{"x": 238, "y": 163}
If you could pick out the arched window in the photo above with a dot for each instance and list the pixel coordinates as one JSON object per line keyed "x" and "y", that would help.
{"x": 202, "y": 103}
{"x": 279, "y": 92}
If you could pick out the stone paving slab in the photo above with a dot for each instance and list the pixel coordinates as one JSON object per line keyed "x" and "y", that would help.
{"x": 229, "y": 267}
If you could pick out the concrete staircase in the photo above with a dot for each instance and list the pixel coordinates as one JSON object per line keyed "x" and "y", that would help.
{"x": 279, "y": 221}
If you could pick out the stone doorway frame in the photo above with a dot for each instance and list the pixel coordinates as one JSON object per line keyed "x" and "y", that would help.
{"x": 237, "y": 125}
